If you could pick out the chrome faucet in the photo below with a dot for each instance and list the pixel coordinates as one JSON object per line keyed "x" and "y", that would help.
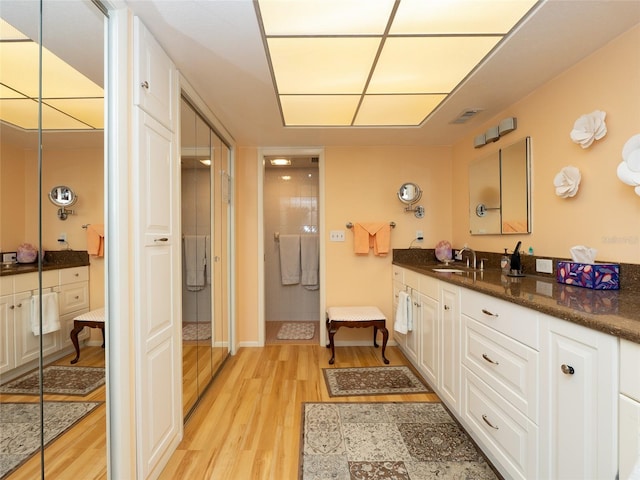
{"x": 472, "y": 251}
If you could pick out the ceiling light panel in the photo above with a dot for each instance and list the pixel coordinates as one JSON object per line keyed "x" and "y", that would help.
{"x": 24, "y": 114}
{"x": 435, "y": 17}
{"x": 427, "y": 64}
{"x": 322, "y": 65}
{"x": 325, "y": 17}
{"x": 400, "y": 110}
{"x": 316, "y": 110}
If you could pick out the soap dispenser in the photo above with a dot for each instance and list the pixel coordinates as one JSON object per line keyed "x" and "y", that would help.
{"x": 516, "y": 265}
{"x": 505, "y": 263}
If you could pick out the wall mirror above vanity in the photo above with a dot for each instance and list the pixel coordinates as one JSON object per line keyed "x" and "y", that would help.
{"x": 500, "y": 191}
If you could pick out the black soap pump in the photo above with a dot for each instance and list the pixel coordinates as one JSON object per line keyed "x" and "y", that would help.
{"x": 516, "y": 265}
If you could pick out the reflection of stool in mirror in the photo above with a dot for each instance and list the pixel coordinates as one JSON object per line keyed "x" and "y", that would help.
{"x": 92, "y": 319}
{"x": 356, "y": 317}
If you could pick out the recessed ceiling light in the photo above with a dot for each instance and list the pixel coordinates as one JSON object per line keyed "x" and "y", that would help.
{"x": 280, "y": 161}
{"x": 206, "y": 162}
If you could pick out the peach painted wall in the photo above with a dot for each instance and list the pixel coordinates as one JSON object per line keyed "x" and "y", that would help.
{"x": 605, "y": 214}
{"x": 12, "y": 204}
{"x": 361, "y": 185}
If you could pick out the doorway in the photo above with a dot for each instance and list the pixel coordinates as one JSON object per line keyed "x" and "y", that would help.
{"x": 291, "y": 214}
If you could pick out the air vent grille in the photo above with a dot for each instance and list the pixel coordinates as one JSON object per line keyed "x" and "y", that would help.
{"x": 466, "y": 115}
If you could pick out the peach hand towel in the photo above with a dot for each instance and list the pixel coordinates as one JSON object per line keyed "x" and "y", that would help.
{"x": 95, "y": 239}
{"x": 372, "y": 235}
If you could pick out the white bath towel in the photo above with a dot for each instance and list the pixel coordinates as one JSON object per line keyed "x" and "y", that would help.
{"x": 194, "y": 258}
{"x": 309, "y": 261}
{"x": 50, "y": 313}
{"x": 208, "y": 258}
{"x": 290, "y": 259}
{"x": 404, "y": 314}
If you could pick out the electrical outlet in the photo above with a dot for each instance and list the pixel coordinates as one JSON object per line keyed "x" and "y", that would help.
{"x": 62, "y": 237}
{"x": 544, "y": 265}
{"x": 419, "y": 235}
{"x": 336, "y": 236}
{"x": 9, "y": 257}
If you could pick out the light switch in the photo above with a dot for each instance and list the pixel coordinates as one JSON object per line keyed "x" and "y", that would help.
{"x": 336, "y": 235}
{"x": 544, "y": 265}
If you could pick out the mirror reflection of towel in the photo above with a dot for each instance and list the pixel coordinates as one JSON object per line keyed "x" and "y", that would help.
{"x": 194, "y": 258}
{"x": 290, "y": 259}
{"x": 50, "y": 317}
{"x": 309, "y": 261}
{"x": 95, "y": 239}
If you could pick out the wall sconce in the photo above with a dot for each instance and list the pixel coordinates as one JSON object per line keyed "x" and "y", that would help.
{"x": 493, "y": 134}
{"x": 63, "y": 197}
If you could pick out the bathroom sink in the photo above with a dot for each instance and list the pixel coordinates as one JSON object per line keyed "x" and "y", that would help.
{"x": 448, "y": 270}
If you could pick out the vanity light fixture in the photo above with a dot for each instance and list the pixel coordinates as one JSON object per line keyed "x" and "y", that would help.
{"x": 507, "y": 125}
{"x": 493, "y": 134}
{"x": 479, "y": 141}
{"x": 280, "y": 161}
{"x": 206, "y": 162}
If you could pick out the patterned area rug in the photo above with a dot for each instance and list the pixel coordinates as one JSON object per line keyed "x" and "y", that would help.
{"x": 20, "y": 426}
{"x": 196, "y": 331}
{"x": 58, "y": 379}
{"x": 296, "y": 331}
{"x": 377, "y": 441}
{"x": 344, "y": 382}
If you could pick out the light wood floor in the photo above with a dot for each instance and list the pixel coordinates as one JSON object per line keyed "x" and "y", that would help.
{"x": 80, "y": 453}
{"x": 247, "y": 425}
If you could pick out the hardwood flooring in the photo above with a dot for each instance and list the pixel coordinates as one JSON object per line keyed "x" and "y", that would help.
{"x": 79, "y": 453}
{"x": 247, "y": 425}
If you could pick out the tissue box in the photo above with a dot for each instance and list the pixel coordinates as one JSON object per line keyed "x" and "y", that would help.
{"x": 588, "y": 301}
{"x": 597, "y": 276}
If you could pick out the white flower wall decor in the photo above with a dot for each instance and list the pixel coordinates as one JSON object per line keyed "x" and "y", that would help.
{"x": 567, "y": 182}
{"x": 589, "y": 127}
{"x": 629, "y": 169}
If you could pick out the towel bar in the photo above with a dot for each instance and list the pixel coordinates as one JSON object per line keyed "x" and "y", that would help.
{"x": 391, "y": 224}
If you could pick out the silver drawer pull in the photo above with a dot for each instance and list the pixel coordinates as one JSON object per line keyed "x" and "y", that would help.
{"x": 487, "y": 312}
{"x": 12, "y": 307}
{"x": 163, "y": 239}
{"x": 77, "y": 297}
{"x": 145, "y": 84}
{"x": 416, "y": 304}
{"x": 447, "y": 307}
{"x": 19, "y": 305}
{"x": 567, "y": 369}
{"x": 484, "y": 417}
{"x": 486, "y": 357}
{"x": 77, "y": 274}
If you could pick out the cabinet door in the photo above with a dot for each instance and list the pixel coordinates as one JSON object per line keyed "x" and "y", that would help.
{"x": 449, "y": 381}
{"x": 153, "y": 74}
{"x": 157, "y": 295}
{"x": 582, "y": 374}
{"x": 27, "y": 344}
{"x": 426, "y": 311}
{"x": 7, "y": 358}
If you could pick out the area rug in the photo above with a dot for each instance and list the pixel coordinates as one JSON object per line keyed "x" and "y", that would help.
{"x": 196, "y": 331}
{"x": 344, "y": 382}
{"x": 296, "y": 331}
{"x": 58, "y": 380}
{"x": 376, "y": 441}
{"x": 20, "y": 428}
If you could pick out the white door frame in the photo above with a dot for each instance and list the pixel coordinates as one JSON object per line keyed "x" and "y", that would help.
{"x": 289, "y": 151}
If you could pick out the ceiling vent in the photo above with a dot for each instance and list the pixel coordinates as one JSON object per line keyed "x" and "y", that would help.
{"x": 466, "y": 115}
{"x": 314, "y": 159}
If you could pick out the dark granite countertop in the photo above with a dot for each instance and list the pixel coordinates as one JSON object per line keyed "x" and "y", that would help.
{"x": 616, "y": 312}
{"x": 52, "y": 260}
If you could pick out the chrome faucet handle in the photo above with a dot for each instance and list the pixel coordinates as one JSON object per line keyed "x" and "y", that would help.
{"x": 482, "y": 260}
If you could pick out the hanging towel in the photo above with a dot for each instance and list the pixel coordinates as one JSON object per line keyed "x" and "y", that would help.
{"x": 208, "y": 258}
{"x": 372, "y": 235}
{"x": 309, "y": 261}
{"x": 290, "y": 259}
{"x": 50, "y": 316}
{"x": 95, "y": 239}
{"x": 194, "y": 258}
{"x": 404, "y": 314}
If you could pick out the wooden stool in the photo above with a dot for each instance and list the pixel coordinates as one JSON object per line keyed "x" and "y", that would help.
{"x": 356, "y": 317}
{"x": 92, "y": 319}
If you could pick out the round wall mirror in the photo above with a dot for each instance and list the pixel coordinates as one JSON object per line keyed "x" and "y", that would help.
{"x": 409, "y": 193}
{"x": 62, "y": 196}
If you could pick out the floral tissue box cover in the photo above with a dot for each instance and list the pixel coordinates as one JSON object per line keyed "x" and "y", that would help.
{"x": 597, "y": 276}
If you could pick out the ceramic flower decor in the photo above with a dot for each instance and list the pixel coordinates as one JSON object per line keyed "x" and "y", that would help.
{"x": 588, "y": 128}
{"x": 567, "y": 182}
{"x": 629, "y": 169}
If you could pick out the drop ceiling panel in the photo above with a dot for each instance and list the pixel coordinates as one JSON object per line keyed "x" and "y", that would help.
{"x": 405, "y": 110}
{"x": 334, "y": 110}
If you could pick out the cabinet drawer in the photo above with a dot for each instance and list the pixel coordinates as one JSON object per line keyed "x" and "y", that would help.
{"x": 73, "y": 275}
{"x": 29, "y": 281}
{"x": 514, "y": 321}
{"x": 429, "y": 286}
{"x": 507, "y": 366}
{"x": 503, "y": 431}
{"x": 6, "y": 285}
{"x": 397, "y": 273}
{"x": 412, "y": 279}
{"x": 74, "y": 297}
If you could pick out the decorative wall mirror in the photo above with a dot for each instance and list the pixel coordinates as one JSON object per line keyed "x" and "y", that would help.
{"x": 499, "y": 191}
{"x": 63, "y": 197}
{"x": 409, "y": 194}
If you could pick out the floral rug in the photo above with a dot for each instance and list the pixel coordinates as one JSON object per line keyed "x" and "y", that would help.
{"x": 20, "y": 426}
{"x": 344, "y": 382}
{"x": 196, "y": 331}
{"x": 296, "y": 331}
{"x": 385, "y": 441}
{"x": 58, "y": 380}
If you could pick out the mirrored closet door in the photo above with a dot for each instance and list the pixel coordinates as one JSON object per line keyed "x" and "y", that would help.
{"x": 205, "y": 318}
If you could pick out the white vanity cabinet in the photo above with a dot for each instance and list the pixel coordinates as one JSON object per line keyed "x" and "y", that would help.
{"x": 500, "y": 381}
{"x": 425, "y": 321}
{"x": 73, "y": 300}
{"x": 449, "y": 348}
{"x": 629, "y": 434}
{"x": 579, "y": 399}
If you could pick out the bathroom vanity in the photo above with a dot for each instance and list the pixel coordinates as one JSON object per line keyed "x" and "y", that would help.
{"x": 19, "y": 347}
{"x": 543, "y": 377}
